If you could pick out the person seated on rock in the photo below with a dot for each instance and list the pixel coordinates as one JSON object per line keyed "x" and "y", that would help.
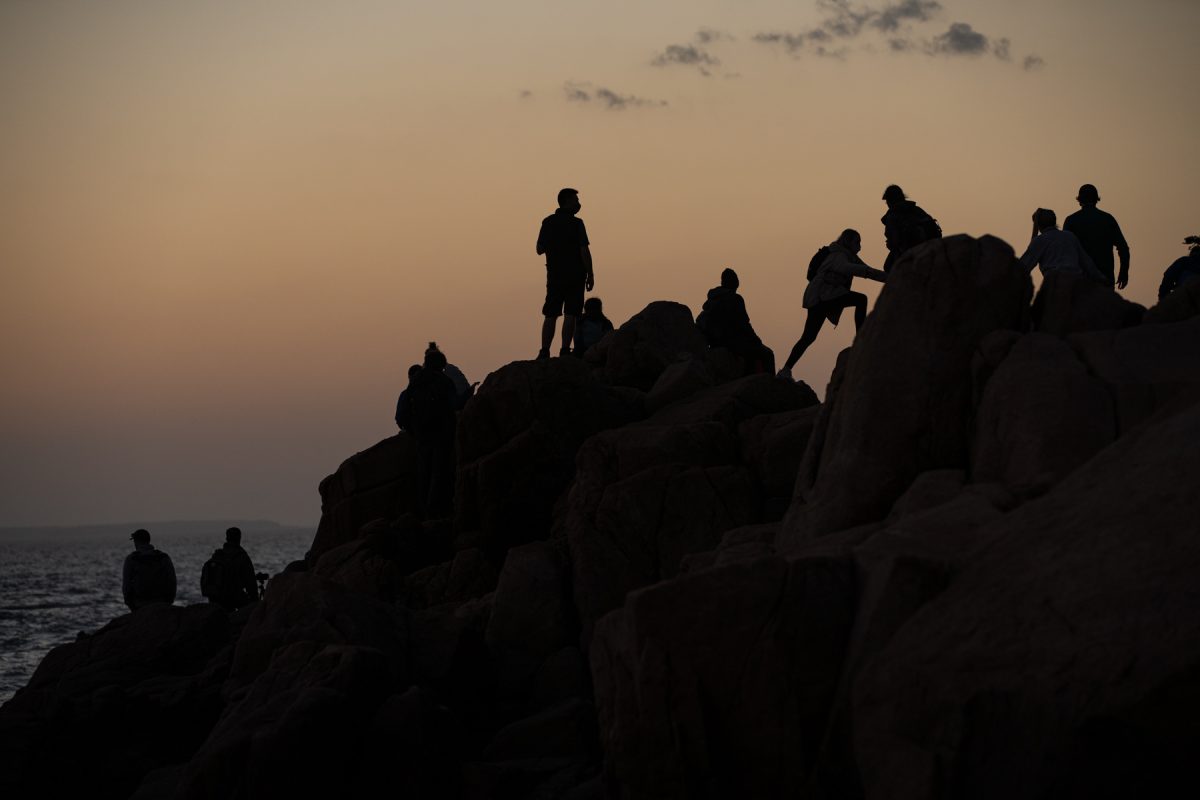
{"x": 1056, "y": 250}
{"x": 828, "y": 292}
{"x": 228, "y": 577}
{"x": 725, "y": 323}
{"x": 402, "y": 414}
{"x": 905, "y": 225}
{"x": 592, "y": 326}
{"x": 148, "y": 576}
{"x": 431, "y": 412}
{"x": 1184, "y": 271}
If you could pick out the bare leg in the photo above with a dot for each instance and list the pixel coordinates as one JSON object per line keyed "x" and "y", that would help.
{"x": 548, "y": 332}
{"x": 568, "y": 332}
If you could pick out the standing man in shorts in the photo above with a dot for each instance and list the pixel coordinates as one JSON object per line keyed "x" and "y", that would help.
{"x": 563, "y": 240}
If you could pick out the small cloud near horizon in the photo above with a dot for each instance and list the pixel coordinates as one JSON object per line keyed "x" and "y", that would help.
{"x": 577, "y": 92}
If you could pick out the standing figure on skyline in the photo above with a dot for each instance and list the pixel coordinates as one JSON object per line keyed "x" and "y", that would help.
{"x": 829, "y": 293}
{"x": 563, "y": 240}
{"x": 1055, "y": 250}
{"x": 403, "y": 416}
{"x": 905, "y": 225}
{"x": 1184, "y": 271}
{"x": 148, "y": 575}
{"x": 725, "y": 323}
{"x": 431, "y": 399}
{"x": 1099, "y": 233}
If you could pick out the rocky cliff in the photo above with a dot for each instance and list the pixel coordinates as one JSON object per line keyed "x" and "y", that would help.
{"x": 971, "y": 572}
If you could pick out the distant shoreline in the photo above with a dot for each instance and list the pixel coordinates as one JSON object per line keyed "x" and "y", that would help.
{"x": 166, "y": 528}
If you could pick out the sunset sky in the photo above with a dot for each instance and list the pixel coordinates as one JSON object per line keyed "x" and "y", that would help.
{"x": 227, "y": 228}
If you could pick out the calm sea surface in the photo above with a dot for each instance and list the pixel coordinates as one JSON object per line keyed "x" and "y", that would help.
{"x": 54, "y": 585}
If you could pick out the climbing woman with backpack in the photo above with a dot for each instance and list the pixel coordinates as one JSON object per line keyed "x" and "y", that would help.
{"x": 830, "y": 274}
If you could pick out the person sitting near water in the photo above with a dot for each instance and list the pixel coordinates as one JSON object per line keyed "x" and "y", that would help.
{"x": 592, "y": 326}
{"x": 725, "y": 323}
{"x": 1056, "y": 250}
{"x": 228, "y": 578}
{"x": 1184, "y": 271}
{"x": 828, "y": 292}
{"x": 148, "y": 576}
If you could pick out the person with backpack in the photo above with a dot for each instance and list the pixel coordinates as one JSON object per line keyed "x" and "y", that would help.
{"x": 592, "y": 326}
{"x": 725, "y": 322}
{"x": 905, "y": 225}
{"x": 228, "y": 578}
{"x": 830, "y": 274}
{"x": 431, "y": 406}
{"x": 148, "y": 576}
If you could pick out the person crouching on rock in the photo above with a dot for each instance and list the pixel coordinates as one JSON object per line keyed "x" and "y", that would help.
{"x": 148, "y": 575}
{"x": 828, "y": 292}
{"x": 431, "y": 403}
{"x": 592, "y": 326}
{"x": 725, "y": 323}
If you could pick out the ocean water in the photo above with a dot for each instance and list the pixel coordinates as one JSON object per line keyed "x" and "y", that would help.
{"x": 56, "y": 583}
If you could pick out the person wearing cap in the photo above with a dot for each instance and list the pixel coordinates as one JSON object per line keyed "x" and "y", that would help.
{"x": 1099, "y": 233}
{"x": 148, "y": 575}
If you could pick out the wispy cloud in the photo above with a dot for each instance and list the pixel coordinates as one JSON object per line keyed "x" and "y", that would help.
{"x": 710, "y": 35}
{"x": 1033, "y": 62}
{"x": 694, "y": 54}
{"x": 897, "y": 23}
{"x": 577, "y": 92}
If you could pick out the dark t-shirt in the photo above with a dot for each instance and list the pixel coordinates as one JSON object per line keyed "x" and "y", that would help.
{"x": 562, "y": 238}
{"x": 1099, "y": 233}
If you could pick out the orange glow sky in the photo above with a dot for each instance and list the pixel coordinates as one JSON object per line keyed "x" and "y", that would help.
{"x": 227, "y": 228}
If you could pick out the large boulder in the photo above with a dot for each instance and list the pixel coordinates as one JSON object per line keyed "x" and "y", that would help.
{"x": 1041, "y": 415}
{"x": 1058, "y": 661}
{"x": 377, "y": 483}
{"x": 517, "y": 440}
{"x": 903, "y": 404}
{"x": 637, "y": 352}
{"x": 103, "y": 711}
{"x": 718, "y": 684}
{"x": 1069, "y": 303}
{"x": 1179, "y": 305}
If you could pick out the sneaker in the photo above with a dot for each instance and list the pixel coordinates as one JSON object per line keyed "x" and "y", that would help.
{"x": 785, "y": 374}
{"x": 543, "y": 354}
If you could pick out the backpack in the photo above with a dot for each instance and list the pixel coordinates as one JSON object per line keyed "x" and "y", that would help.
{"x": 817, "y": 260}
{"x": 214, "y": 577}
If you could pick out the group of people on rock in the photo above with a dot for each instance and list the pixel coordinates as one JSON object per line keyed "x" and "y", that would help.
{"x": 426, "y": 409}
{"x": 227, "y": 579}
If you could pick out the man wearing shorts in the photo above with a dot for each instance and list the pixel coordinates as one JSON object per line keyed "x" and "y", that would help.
{"x": 563, "y": 240}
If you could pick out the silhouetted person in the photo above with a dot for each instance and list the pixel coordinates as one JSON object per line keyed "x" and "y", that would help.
{"x": 431, "y": 403}
{"x": 228, "y": 578}
{"x": 724, "y": 322}
{"x": 563, "y": 240}
{"x": 592, "y": 326}
{"x": 905, "y": 225}
{"x": 1184, "y": 271}
{"x": 1056, "y": 250}
{"x": 148, "y": 575}
{"x": 828, "y": 292}
{"x": 1099, "y": 233}
{"x": 403, "y": 421}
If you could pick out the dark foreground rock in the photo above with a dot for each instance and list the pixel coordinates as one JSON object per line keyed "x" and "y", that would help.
{"x": 970, "y": 572}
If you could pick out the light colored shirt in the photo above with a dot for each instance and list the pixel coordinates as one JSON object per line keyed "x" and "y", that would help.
{"x": 1056, "y": 250}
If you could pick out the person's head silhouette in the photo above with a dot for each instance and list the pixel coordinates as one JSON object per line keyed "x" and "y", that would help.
{"x": 1088, "y": 195}
{"x": 233, "y": 535}
{"x": 729, "y": 279}
{"x": 851, "y": 240}
{"x": 1044, "y": 218}
{"x": 593, "y": 307}
{"x": 893, "y": 195}
{"x": 568, "y": 200}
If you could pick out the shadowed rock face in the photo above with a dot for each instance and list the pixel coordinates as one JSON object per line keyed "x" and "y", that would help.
{"x": 984, "y": 585}
{"x": 903, "y": 403}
